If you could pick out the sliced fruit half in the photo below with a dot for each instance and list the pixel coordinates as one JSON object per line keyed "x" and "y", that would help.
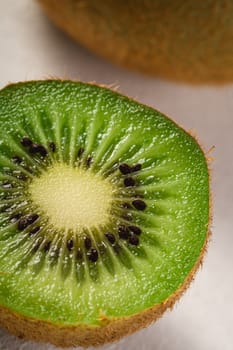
{"x": 104, "y": 212}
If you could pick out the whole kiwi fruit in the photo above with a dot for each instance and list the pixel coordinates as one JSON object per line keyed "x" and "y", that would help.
{"x": 180, "y": 40}
{"x": 104, "y": 212}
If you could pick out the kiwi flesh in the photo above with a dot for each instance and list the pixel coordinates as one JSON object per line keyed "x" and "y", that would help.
{"x": 180, "y": 40}
{"x": 104, "y": 212}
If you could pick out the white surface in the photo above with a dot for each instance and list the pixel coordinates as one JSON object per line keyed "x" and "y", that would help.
{"x": 31, "y": 48}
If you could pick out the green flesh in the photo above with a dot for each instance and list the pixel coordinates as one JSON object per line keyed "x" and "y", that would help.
{"x": 113, "y": 130}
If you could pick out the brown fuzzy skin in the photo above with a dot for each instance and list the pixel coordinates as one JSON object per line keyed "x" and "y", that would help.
{"x": 111, "y": 330}
{"x": 180, "y": 40}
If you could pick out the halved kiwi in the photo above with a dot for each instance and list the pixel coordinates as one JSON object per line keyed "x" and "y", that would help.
{"x": 104, "y": 212}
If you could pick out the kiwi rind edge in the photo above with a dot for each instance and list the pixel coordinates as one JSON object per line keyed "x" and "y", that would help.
{"x": 110, "y": 329}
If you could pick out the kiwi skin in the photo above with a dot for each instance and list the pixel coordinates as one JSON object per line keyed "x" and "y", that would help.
{"x": 110, "y": 329}
{"x": 179, "y": 40}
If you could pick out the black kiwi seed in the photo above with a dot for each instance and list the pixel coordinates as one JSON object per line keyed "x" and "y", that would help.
{"x": 133, "y": 239}
{"x": 52, "y": 146}
{"x": 110, "y": 237}
{"x": 32, "y": 218}
{"x": 22, "y": 224}
{"x": 87, "y": 242}
{"x": 135, "y": 229}
{"x": 47, "y": 246}
{"x": 123, "y": 232}
{"x": 70, "y": 244}
{"x": 93, "y": 255}
{"x": 136, "y": 167}
{"x": 129, "y": 181}
{"x": 26, "y": 221}
{"x": 88, "y": 161}
{"x": 124, "y": 168}
{"x": 16, "y": 159}
{"x": 34, "y": 230}
{"x": 15, "y": 217}
{"x": 35, "y": 148}
{"x": 42, "y": 150}
{"x": 80, "y": 152}
{"x": 139, "y": 204}
{"x": 26, "y": 142}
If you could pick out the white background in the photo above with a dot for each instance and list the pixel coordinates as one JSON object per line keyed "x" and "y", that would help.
{"x": 32, "y": 48}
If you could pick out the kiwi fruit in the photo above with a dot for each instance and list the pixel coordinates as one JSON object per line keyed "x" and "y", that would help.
{"x": 104, "y": 212}
{"x": 180, "y": 40}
